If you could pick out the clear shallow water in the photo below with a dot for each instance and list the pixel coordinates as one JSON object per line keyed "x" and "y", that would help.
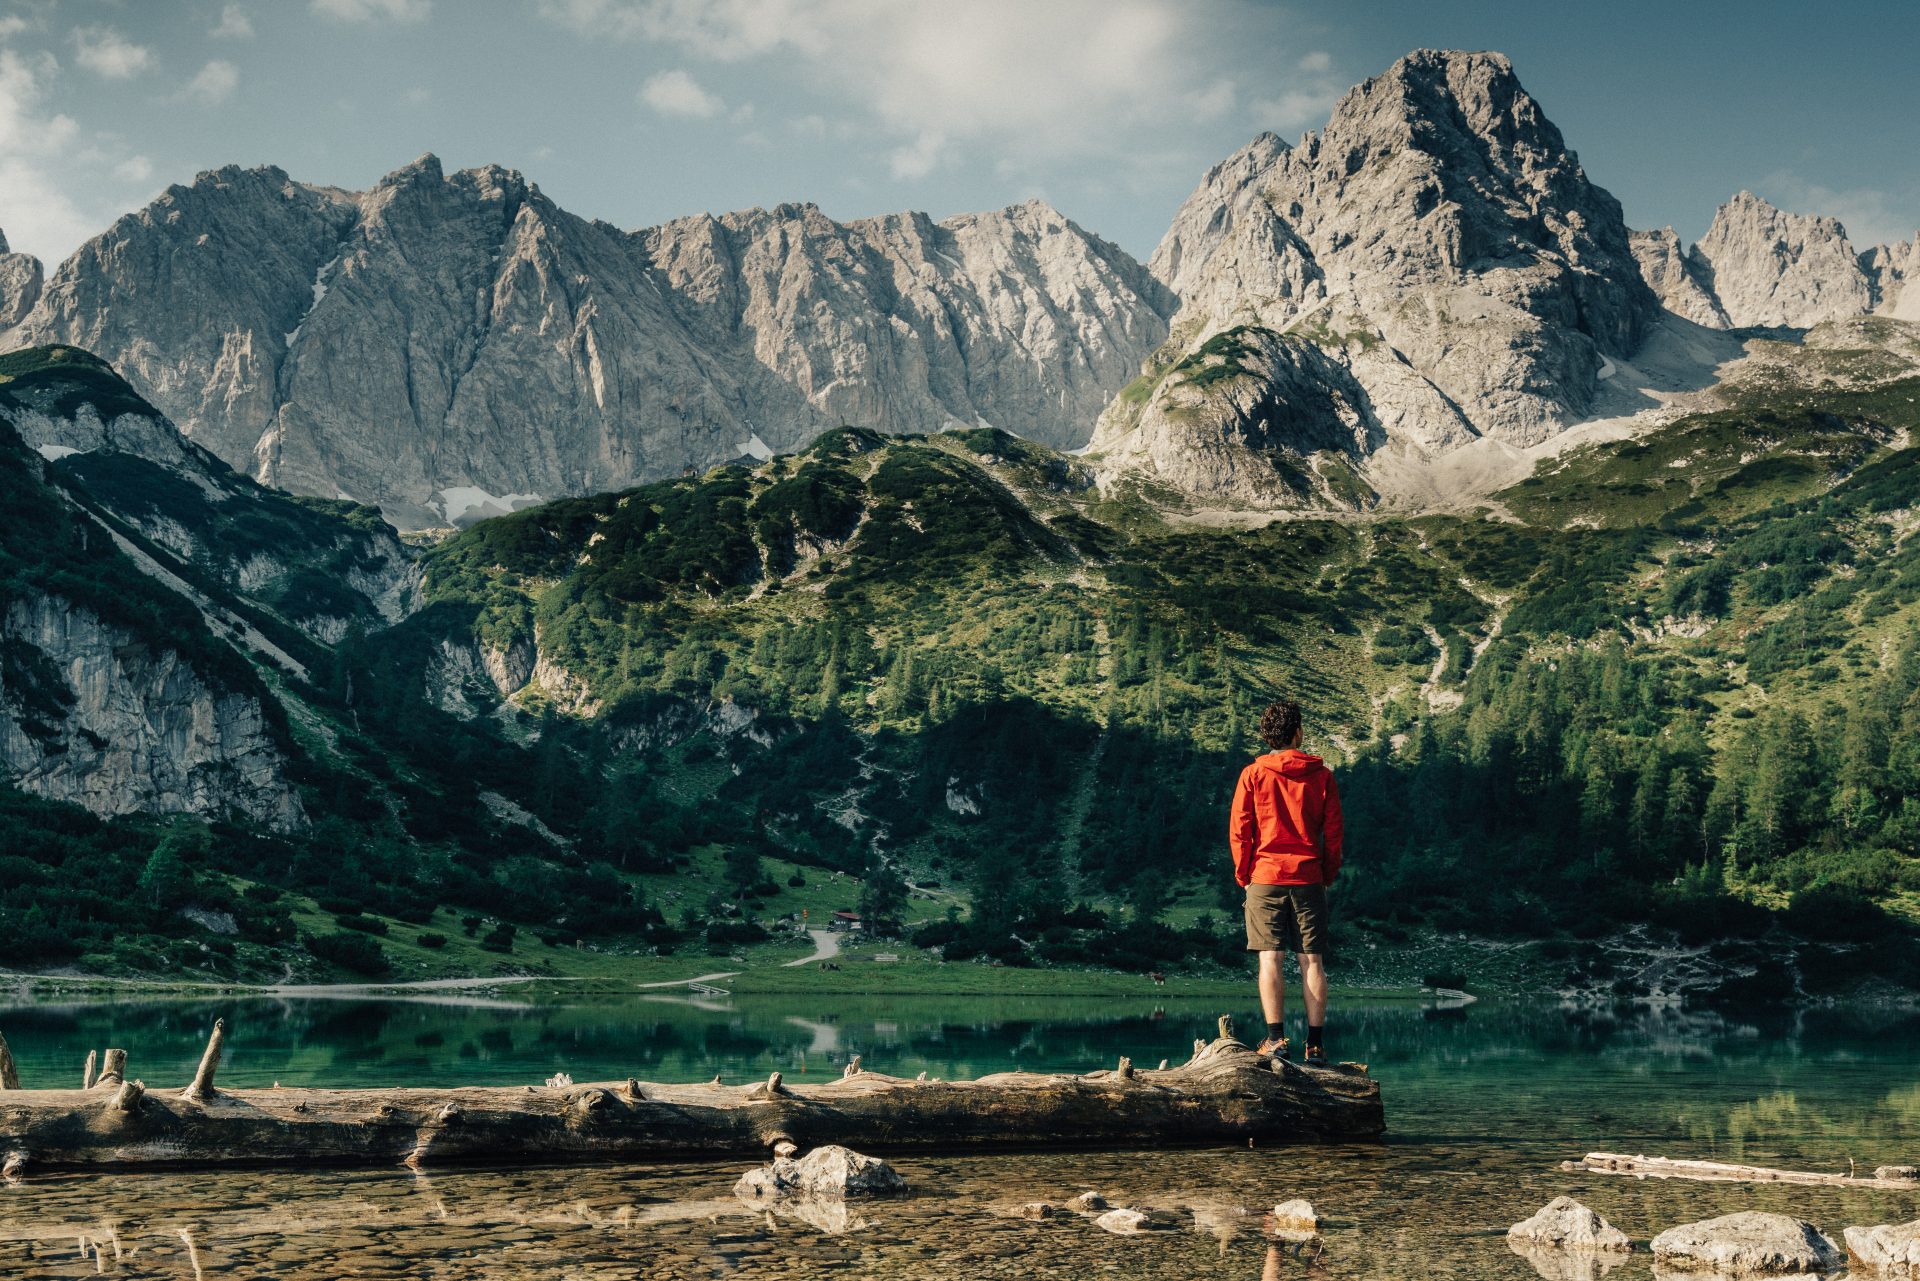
{"x": 1481, "y": 1104}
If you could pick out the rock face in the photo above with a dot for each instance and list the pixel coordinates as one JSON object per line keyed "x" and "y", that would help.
{"x": 446, "y": 345}
{"x": 20, "y": 281}
{"x": 1769, "y": 268}
{"x": 108, "y": 722}
{"x": 831, "y": 1172}
{"x": 1567, "y": 1225}
{"x": 1673, "y": 275}
{"x": 1437, "y": 240}
{"x": 1748, "y": 1242}
{"x": 1893, "y": 1249}
{"x": 1760, "y": 267}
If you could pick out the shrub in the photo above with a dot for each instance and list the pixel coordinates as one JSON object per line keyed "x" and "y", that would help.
{"x": 430, "y": 940}
{"x": 349, "y": 951}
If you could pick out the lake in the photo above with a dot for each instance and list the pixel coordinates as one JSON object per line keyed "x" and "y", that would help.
{"x": 1482, "y": 1103}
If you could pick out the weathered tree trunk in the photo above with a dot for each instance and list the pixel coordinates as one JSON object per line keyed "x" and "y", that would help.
{"x": 9, "y": 1075}
{"x": 1659, "y": 1167}
{"x": 1226, "y": 1094}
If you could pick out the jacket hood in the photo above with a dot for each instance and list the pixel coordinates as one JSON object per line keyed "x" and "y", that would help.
{"x": 1291, "y": 763}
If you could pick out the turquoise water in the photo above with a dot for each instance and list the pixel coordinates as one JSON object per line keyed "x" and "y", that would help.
{"x": 1482, "y": 1104}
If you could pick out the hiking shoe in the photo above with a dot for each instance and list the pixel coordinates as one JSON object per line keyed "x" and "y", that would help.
{"x": 1316, "y": 1056}
{"x": 1276, "y": 1047}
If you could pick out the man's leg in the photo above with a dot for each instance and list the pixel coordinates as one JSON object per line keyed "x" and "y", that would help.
{"x": 1313, "y": 985}
{"x": 1273, "y": 990}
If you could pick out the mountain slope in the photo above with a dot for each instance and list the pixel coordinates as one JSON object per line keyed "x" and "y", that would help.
{"x": 1437, "y": 240}
{"x": 1760, "y": 267}
{"x": 449, "y": 345}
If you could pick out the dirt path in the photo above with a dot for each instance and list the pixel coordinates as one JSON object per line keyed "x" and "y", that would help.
{"x": 826, "y": 946}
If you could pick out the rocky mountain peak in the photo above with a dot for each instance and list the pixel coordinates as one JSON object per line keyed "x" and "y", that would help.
{"x": 1438, "y": 243}
{"x": 20, "y": 284}
{"x": 1767, "y": 267}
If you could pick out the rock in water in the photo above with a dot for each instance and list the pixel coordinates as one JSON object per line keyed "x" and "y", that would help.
{"x": 1088, "y": 1203}
{"x": 1892, "y": 1248}
{"x": 1566, "y": 1224}
{"x": 1897, "y": 1172}
{"x": 1126, "y": 1222}
{"x": 827, "y": 1172}
{"x": 1296, "y": 1216}
{"x": 1036, "y": 1210}
{"x": 1751, "y": 1241}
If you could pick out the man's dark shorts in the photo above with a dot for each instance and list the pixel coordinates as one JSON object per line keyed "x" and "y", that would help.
{"x": 1287, "y": 918}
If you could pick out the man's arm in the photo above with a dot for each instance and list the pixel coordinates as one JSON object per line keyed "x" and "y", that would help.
{"x": 1333, "y": 831}
{"x": 1242, "y": 831}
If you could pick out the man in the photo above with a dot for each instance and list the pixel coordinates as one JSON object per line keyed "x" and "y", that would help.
{"x": 1286, "y": 836}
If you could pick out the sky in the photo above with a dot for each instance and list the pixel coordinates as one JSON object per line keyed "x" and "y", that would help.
{"x": 637, "y": 111}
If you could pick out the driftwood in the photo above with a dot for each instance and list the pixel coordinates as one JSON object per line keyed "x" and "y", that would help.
{"x": 1658, "y": 1167}
{"x": 9, "y": 1075}
{"x": 1225, "y": 1094}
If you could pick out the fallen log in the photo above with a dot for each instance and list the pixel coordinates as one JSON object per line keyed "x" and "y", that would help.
{"x": 1659, "y": 1167}
{"x": 1225, "y": 1094}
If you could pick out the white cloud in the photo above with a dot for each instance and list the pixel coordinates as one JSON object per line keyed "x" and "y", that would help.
{"x": 106, "y": 52}
{"x": 1294, "y": 111}
{"x": 418, "y": 95}
{"x": 12, "y": 25}
{"x": 1021, "y": 85}
{"x": 37, "y": 213}
{"x": 1871, "y": 215}
{"x": 134, "y": 169}
{"x": 214, "y": 84}
{"x": 918, "y": 158}
{"x": 1318, "y": 60}
{"x": 676, "y": 93}
{"x": 234, "y": 24}
{"x": 374, "y": 10}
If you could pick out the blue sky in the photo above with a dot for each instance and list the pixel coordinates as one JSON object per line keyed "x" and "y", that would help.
{"x": 636, "y": 111}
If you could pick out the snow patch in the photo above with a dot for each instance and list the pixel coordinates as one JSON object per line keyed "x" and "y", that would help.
{"x": 1607, "y": 368}
{"x": 465, "y": 504}
{"x": 754, "y": 447}
{"x": 319, "y": 292}
{"x": 54, "y": 453}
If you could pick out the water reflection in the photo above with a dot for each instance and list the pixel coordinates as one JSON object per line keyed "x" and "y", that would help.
{"x": 1481, "y": 1110}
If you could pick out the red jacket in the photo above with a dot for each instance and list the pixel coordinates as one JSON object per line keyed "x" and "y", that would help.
{"x": 1286, "y": 827}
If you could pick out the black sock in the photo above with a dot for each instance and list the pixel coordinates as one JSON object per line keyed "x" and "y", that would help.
{"x": 1276, "y": 1031}
{"x": 1313, "y": 1035}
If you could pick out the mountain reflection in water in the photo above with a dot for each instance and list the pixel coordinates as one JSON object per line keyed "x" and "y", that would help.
{"x": 1481, "y": 1108}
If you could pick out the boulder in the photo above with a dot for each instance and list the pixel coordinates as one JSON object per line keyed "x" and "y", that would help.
{"x": 1897, "y": 1172}
{"x": 1132, "y": 1219}
{"x": 826, "y": 1172}
{"x": 1567, "y": 1225}
{"x": 1088, "y": 1203}
{"x": 1750, "y": 1241}
{"x": 1891, "y": 1248}
{"x": 1296, "y": 1215}
{"x": 1036, "y": 1210}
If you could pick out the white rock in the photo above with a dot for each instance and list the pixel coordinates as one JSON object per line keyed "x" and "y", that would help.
{"x": 1126, "y": 1222}
{"x": 1297, "y": 1215}
{"x": 1566, "y": 1224}
{"x": 1893, "y": 1249}
{"x": 1087, "y": 1203}
{"x": 825, "y": 1172}
{"x": 1750, "y": 1241}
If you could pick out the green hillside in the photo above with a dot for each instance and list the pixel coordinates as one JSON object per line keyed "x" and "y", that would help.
{"x": 1670, "y": 682}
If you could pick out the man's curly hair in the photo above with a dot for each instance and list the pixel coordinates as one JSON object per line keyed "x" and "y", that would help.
{"x": 1279, "y": 723}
